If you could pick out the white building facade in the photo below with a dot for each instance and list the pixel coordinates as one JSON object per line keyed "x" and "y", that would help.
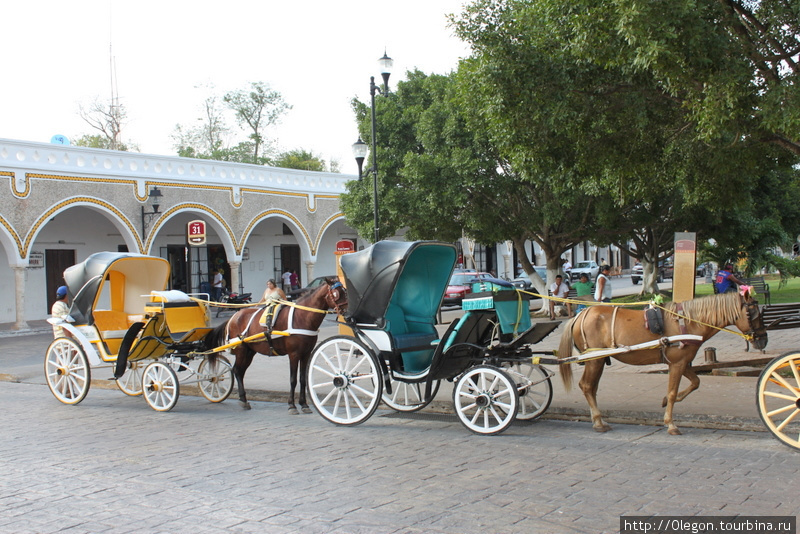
{"x": 61, "y": 203}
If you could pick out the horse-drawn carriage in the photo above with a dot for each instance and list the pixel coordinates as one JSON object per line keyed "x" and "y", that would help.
{"x": 396, "y": 354}
{"x": 123, "y": 320}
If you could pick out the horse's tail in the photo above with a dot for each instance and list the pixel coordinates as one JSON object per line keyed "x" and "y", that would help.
{"x": 565, "y": 351}
{"x": 217, "y": 337}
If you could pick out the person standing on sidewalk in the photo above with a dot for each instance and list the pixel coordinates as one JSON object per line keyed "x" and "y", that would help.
{"x": 602, "y": 290}
{"x": 583, "y": 291}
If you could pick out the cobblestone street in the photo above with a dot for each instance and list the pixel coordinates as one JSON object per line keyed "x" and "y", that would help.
{"x": 111, "y": 464}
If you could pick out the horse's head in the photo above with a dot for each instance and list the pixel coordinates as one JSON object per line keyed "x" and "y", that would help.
{"x": 751, "y": 322}
{"x": 336, "y": 298}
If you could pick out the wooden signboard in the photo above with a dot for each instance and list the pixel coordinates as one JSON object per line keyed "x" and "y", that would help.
{"x": 685, "y": 260}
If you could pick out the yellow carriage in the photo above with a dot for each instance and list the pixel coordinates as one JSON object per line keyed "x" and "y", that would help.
{"x": 122, "y": 319}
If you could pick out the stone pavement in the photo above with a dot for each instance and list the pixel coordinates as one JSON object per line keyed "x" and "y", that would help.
{"x": 111, "y": 464}
{"x": 627, "y": 394}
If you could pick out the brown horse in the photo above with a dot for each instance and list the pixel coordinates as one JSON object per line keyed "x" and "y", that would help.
{"x": 300, "y": 320}
{"x": 610, "y": 327}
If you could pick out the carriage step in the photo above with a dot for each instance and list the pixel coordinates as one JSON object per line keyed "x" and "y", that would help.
{"x": 737, "y": 371}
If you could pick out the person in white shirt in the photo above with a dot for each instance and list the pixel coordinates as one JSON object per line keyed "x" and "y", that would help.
{"x": 561, "y": 290}
{"x": 287, "y": 280}
{"x": 602, "y": 289}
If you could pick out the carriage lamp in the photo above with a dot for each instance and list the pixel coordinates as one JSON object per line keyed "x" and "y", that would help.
{"x": 147, "y": 216}
{"x": 360, "y": 148}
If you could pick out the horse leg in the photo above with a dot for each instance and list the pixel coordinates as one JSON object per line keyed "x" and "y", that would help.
{"x": 303, "y": 385}
{"x": 676, "y": 371}
{"x": 592, "y": 372}
{"x": 244, "y": 357}
{"x": 694, "y": 383}
{"x": 292, "y": 383}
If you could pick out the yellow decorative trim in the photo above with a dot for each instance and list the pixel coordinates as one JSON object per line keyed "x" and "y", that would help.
{"x": 263, "y": 215}
{"x": 333, "y": 218}
{"x": 14, "y": 235}
{"x": 13, "y": 186}
{"x": 199, "y": 207}
{"x": 83, "y": 200}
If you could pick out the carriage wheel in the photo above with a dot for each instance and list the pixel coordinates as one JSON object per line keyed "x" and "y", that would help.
{"x": 67, "y": 370}
{"x": 408, "y": 397}
{"x": 160, "y": 386}
{"x": 131, "y": 382}
{"x": 486, "y": 399}
{"x": 534, "y": 388}
{"x": 778, "y": 398}
{"x": 216, "y": 379}
{"x": 344, "y": 381}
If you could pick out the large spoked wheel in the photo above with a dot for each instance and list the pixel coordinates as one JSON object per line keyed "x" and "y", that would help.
{"x": 778, "y": 398}
{"x": 216, "y": 378}
{"x": 486, "y": 399}
{"x": 534, "y": 388}
{"x": 407, "y": 397}
{"x": 131, "y": 382}
{"x": 344, "y": 381}
{"x": 160, "y": 386}
{"x": 67, "y": 370}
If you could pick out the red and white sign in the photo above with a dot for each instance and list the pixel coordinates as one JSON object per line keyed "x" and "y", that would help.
{"x": 344, "y": 246}
{"x": 196, "y": 233}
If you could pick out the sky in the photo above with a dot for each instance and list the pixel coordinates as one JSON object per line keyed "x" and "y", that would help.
{"x": 318, "y": 54}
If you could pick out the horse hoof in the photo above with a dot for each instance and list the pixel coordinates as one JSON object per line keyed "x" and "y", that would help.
{"x": 674, "y": 432}
{"x": 601, "y": 428}
{"x": 293, "y": 411}
{"x": 306, "y": 409}
{"x": 245, "y": 405}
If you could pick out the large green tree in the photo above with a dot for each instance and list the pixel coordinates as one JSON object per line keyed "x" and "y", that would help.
{"x": 441, "y": 177}
{"x": 617, "y": 133}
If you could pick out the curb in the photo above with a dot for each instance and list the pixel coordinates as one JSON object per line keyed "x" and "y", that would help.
{"x": 555, "y": 413}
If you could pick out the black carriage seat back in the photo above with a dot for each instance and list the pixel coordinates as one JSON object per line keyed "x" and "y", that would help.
{"x": 461, "y": 345}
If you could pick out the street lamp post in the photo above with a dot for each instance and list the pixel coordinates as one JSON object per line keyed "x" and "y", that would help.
{"x": 155, "y": 197}
{"x": 360, "y": 148}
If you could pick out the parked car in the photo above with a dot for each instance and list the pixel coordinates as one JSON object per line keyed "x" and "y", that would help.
{"x": 589, "y": 267}
{"x": 461, "y": 285}
{"x": 524, "y": 283}
{"x": 294, "y": 294}
{"x": 665, "y": 270}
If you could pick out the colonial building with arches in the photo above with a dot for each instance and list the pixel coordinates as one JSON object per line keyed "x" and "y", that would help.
{"x": 62, "y": 203}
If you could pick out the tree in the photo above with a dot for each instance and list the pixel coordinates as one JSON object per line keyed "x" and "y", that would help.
{"x": 108, "y": 119}
{"x": 732, "y": 64}
{"x": 299, "y": 159}
{"x": 256, "y": 108}
{"x": 616, "y": 133}
{"x": 441, "y": 177}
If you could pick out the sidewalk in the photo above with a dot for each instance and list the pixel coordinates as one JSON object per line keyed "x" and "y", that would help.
{"x": 628, "y": 394}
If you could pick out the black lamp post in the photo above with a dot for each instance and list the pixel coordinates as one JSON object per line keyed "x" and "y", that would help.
{"x": 147, "y": 216}
{"x": 360, "y": 148}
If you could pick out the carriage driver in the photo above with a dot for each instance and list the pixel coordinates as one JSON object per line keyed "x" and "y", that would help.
{"x": 60, "y": 309}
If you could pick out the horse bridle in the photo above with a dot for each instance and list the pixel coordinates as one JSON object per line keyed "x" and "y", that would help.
{"x": 333, "y": 296}
{"x": 753, "y": 312}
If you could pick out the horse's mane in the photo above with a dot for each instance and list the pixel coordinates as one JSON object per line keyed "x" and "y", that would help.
{"x": 715, "y": 309}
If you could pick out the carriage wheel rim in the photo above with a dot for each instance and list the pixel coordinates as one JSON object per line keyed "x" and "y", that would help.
{"x": 486, "y": 400}
{"x": 67, "y": 371}
{"x": 778, "y": 398}
{"x": 344, "y": 381}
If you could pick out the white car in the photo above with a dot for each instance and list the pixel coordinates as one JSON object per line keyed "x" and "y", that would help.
{"x": 589, "y": 267}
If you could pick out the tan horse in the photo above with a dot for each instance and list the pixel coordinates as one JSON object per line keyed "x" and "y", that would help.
{"x": 610, "y": 327}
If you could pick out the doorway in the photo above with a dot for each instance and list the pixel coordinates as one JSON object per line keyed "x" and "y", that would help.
{"x": 56, "y": 261}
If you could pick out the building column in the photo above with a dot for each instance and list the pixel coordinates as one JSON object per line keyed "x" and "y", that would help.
{"x": 309, "y": 272}
{"x": 234, "y": 265}
{"x": 19, "y": 289}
